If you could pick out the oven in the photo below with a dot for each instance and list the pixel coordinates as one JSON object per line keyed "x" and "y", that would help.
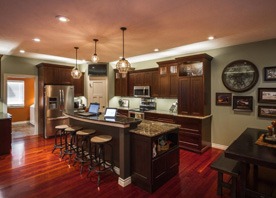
{"x": 133, "y": 113}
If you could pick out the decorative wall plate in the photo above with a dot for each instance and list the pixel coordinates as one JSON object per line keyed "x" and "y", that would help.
{"x": 240, "y": 76}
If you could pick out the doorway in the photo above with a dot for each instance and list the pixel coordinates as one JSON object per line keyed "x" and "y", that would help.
{"x": 24, "y": 118}
{"x": 97, "y": 92}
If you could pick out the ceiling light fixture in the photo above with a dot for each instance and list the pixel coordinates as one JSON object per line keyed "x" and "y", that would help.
{"x": 75, "y": 73}
{"x": 156, "y": 50}
{"x": 62, "y": 18}
{"x": 22, "y": 51}
{"x": 211, "y": 38}
{"x": 123, "y": 65}
{"x": 94, "y": 57}
{"x": 36, "y": 40}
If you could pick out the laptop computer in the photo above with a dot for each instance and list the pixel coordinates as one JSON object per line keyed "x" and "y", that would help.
{"x": 92, "y": 111}
{"x": 110, "y": 114}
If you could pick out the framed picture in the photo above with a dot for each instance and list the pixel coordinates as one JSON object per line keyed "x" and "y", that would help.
{"x": 224, "y": 99}
{"x": 243, "y": 103}
{"x": 270, "y": 73}
{"x": 267, "y": 111}
{"x": 267, "y": 95}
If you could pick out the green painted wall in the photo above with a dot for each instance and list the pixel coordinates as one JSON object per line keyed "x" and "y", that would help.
{"x": 227, "y": 125}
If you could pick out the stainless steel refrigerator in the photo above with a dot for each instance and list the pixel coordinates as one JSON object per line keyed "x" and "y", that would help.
{"x": 58, "y": 98}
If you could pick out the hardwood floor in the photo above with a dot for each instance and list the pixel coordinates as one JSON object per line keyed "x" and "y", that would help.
{"x": 31, "y": 170}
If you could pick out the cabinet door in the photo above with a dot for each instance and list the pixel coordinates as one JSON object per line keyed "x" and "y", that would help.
{"x": 64, "y": 76}
{"x": 197, "y": 96}
{"x": 51, "y": 75}
{"x": 117, "y": 84}
{"x": 147, "y": 78}
{"x": 121, "y": 84}
{"x": 184, "y": 96}
{"x": 132, "y": 79}
{"x": 155, "y": 84}
{"x": 173, "y": 86}
{"x": 79, "y": 86}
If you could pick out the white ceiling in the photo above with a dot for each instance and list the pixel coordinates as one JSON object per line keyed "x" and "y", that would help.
{"x": 175, "y": 27}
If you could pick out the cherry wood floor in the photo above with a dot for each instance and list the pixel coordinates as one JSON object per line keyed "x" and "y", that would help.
{"x": 31, "y": 170}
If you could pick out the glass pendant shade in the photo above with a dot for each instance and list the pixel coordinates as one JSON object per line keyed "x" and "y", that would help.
{"x": 95, "y": 57}
{"x": 123, "y": 65}
{"x": 75, "y": 73}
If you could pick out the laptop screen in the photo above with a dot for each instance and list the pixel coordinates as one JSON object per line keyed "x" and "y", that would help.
{"x": 110, "y": 112}
{"x": 94, "y": 108}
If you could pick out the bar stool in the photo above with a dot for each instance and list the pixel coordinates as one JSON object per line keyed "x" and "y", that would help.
{"x": 59, "y": 132}
{"x": 69, "y": 146}
{"x": 100, "y": 164}
{"x": 82, "y": 136}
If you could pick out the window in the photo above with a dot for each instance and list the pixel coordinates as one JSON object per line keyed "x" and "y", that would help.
{"x": 15, "y": 93}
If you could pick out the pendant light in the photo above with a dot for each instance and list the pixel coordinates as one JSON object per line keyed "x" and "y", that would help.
{"x": 123, "y": 65}
{"x": 95, "y": 58}
{"x": 75, "y": 73}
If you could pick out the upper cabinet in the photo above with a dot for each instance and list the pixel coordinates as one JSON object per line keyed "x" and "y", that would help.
{"x": 168, "y": 79}
{"x": 52, "y": 74}
{"x": 121, "y": 84}
{"x": 194, "y": 89}
{"x": 124, "y": 83}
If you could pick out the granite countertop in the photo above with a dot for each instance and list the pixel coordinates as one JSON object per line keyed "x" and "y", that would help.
{"x": 153, "y": 128}
{"x": 179, "y": 115}
{"x": 5, "y": 116}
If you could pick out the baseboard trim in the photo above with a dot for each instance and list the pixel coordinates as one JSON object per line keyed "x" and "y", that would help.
{"x": 20, "y": 122}
{"x": 124, "y": 182}
{"x": 219, "y": 146}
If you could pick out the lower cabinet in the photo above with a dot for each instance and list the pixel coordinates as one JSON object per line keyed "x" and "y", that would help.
{"x": 194, "y": 132}
{"x": 123, "y": 112}
{"x": 5, "y": 143}
{"x": 152, "y": 164}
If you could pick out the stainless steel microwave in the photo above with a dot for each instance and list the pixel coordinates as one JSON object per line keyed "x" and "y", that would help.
{"x": 141, "y": 91}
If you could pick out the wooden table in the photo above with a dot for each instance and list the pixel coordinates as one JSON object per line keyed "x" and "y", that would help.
{"x": 245, "y": 150}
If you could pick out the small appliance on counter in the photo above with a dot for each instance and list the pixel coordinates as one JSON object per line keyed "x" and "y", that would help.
{"x": 173, "y": 108}
{"x": 123, "y": 103}
{"x": 146, "y": 104}
{"x": 80, "y": 103}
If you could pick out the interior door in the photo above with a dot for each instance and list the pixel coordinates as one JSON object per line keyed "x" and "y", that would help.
{"x": 98, "y": 93}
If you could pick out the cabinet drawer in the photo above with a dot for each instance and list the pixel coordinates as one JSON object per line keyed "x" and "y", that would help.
{"x": 189, "y": 139}
{"x": 189, "y": 123}
{"x": 159, "y": 168}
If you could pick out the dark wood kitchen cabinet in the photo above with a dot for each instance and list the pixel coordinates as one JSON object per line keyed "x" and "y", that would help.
{"x": 194, "y": 133}
{"x": 52, "y": 74}
{"x": 168, "y": 79}
{"x": 194, "y": 88}
{"x": 150, "y": 171}
{"x": 121, "y": 84}
{"x": 123, "y": 112}
{"x": 78, "y": 86}
{"x": 144, "y": 77}
{"x": 5, "y": 133}
{"x": 159, "y": 117}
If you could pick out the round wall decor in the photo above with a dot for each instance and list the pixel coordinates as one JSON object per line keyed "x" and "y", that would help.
{"x": 240, "y": 76}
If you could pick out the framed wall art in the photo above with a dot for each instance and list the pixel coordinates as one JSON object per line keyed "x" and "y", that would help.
{"x": 270, "y": 73}
{"x": 243, "y": 103}
{"x": 267, "y": 95}
{"x": 240, "y": 76}
{"x": 224, "y": 99}
{"x": 267, "y": 111}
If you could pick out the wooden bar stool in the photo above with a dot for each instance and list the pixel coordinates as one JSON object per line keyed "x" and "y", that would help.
{"x": 82, "y": 143}
{"x": 69, "y": 146}
{"x": 99, "y": 162}
{"x": 60, "y": 130}
{"x": 230, "y": 167}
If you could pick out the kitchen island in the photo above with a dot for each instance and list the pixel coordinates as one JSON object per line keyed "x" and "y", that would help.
{"x": 123, "y": 130}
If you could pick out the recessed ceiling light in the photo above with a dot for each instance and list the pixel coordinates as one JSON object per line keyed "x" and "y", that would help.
{"x": 156, "y": 50}
{"x": 22, "y": 51}
{"x": 62, "y": 18}
{"x": 36, "y": 40}
{"x": 211, "y": 38}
